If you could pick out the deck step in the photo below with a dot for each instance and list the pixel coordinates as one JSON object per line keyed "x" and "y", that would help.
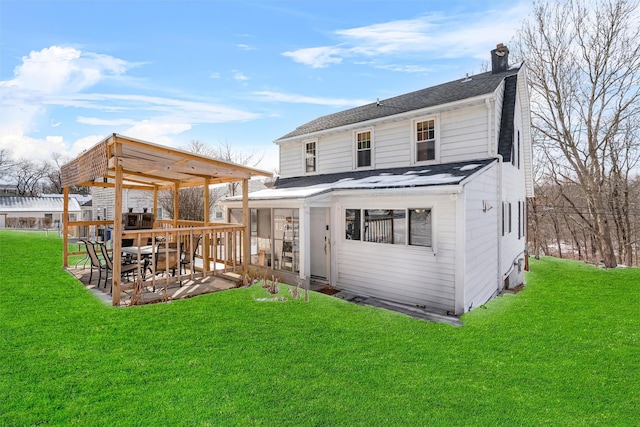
{"x": 232, "y": 276}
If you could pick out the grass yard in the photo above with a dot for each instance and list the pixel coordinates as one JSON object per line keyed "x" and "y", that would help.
{"x": 564, "y": 351}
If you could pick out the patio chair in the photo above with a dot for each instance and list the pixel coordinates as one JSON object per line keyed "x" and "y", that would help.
{"x": 164, "y": 264}
{"x": 86, "y": 258}
{"x": 187, "y": 258}
{"x": 128, "y": 258}
{"x": 125, "y": 269}
{"x": 96, "y": 262}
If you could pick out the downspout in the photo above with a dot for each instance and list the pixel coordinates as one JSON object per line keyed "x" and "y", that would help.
{"x": 500, "y": 221}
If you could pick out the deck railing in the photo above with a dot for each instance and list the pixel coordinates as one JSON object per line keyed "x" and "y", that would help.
{"x": 219, "y": 245}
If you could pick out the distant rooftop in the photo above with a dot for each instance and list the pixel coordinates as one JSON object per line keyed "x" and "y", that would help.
{"x": 36, "y": 204}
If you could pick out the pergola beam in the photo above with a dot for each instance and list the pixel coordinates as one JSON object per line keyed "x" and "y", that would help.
{"x": 189, "y": 170}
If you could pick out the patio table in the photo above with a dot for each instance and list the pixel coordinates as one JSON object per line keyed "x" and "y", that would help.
{"x": 145, "y": 253}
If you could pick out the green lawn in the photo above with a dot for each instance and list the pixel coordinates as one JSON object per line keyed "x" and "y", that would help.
{"x": 564, "y": 351}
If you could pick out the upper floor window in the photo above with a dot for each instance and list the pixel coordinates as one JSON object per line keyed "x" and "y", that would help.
{"x": 363, "y": 149}
{"x": 310, "y": 157}
{"x": 425, "y": 140}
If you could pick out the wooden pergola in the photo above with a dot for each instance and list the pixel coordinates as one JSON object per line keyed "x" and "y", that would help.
{"x": 121, "y": 162}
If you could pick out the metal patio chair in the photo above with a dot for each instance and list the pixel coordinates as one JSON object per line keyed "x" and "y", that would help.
{"x": 125, "y": 269}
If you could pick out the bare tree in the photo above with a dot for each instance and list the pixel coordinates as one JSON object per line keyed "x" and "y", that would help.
{"x": 584, "y": 65}
{"x": 55, "y": 175}
{"x": 224, "y": 151}
{"x": 6, "y": 162}
{"x": 28, "y": 176}
{"x": 191, "y": 200}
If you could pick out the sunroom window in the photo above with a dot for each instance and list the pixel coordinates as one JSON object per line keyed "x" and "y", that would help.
{"x": 384, "y": 226}
{"x": 390, "y": 226}
{"x": 420, "y": 230}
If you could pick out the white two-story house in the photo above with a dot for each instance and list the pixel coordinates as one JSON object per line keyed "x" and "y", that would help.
{"x": 417, "y": 199}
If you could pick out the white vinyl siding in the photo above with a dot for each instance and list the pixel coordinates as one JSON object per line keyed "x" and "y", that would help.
{"x": 392, "y": 145}
{"x": 404, "y": 273}
{"x": 482, "y": 220}
{"x": 291, "y": 160}
{"x": 335, "y": 153}
{"x": 463, "y": 134}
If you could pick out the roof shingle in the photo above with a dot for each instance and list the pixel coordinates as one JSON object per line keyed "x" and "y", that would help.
{"x": 470, "y": 87}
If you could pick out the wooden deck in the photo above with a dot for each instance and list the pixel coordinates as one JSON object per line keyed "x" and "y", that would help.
{"x": 172, "y": 291}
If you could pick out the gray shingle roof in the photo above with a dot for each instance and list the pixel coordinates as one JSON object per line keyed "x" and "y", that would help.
{"x": 459, "y": 170}
{"x": 479, "y": 84}
{"x": 408, "y": 177}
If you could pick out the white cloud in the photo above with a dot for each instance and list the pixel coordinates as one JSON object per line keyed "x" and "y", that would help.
{"x": 405, "y": 68}
{"x": 390, "y": 37}
{"x": 156, "y": 131}
{"x": 24, "y": 147}
{"x": 84, "y": 143}
{"x": 245, "y": 46}
{"x": 64, "y": 76}
{"x": 302, "y": 99}
{"x": 95, "y": 121}
{"x": 63, "y": 69}
{"x": 215, "y": 76}
{"x": 316, "y": 57}
{"x": 49, "y": 73}
{"x": 439, "y": 36}
{"x": 237, "y": 75}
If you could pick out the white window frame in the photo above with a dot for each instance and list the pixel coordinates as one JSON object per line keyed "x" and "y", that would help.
{"x": 414, "y": 139}
{"x": 506, "y": 218}
{"x": 371, "y": 148}
{"x": 406, "y": 244}
{"x": 304, "y": 156}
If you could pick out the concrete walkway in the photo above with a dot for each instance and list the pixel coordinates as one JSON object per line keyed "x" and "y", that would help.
{"x": 409, "y": 310}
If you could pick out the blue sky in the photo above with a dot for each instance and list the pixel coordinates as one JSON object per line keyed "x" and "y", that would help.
{"x": 237, "y": 72}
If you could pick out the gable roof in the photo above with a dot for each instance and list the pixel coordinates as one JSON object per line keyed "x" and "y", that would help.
{"x": 37, "y": 204}
{"x": 469, "y": 87}
{"x": 408, "y": 177}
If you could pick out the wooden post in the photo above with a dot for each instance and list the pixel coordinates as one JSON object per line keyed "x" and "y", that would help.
{"x": 206, "y": 213}
{"x": 117, "y": 230}
{"x": 176, "y": 204}
{"x": 65, "y": 222}
{"x": 206, "y": 241}
{"x": 155, "y": 204}
{"x": 246, "y": 241}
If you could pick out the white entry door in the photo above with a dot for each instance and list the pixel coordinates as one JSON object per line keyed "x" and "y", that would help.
{"x": 320, "y": 247}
